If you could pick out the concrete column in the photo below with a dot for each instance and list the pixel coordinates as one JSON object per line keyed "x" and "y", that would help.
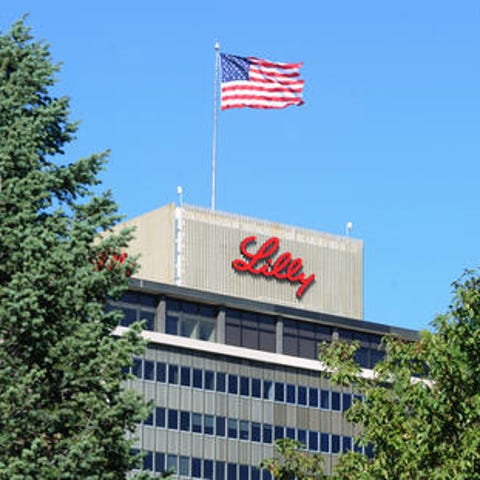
{"x": 161, "y": 315}
{"x": 279, "y": 335}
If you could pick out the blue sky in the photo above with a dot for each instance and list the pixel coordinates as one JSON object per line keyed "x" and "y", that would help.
{"x": 388, "y": 138}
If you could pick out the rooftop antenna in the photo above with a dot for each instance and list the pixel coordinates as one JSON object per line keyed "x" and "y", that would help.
{"x": 348, "y": 228}
{"x": 180, "y": 195}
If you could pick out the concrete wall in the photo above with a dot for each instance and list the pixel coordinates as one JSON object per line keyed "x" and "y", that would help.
{"x": 209, "y": 242}
{"x": 154, "y": 242}
{"x": 195, "y": 247}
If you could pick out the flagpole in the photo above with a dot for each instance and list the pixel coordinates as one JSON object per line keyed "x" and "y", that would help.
{"x": 215, "y": 117}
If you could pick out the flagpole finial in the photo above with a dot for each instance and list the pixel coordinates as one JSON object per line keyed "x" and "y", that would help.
{"x": 217, "y": 46}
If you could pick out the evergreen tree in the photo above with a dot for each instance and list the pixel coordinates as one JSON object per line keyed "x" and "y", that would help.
{"x": 63, "y": 411}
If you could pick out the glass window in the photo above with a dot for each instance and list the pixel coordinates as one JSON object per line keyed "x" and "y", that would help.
{"x": 290, "y": 338}
{"x": 249, "y": 330}
{"x": 149, "y": 370}
{"x": 244, "y": 430}
{"x": 209, "y": 380}
{"x": 256, "y": 388}
{"x": 148, "y": 318}
{"x": 345, "y": 334}
{"x": 148, "y": 461}
{"x": 267, "y": 390}
{"x": 302, "y": 395}
{"x": 255, "y": 473}
{"x": 220, "y": 382}
{"x": 357, "y": 448}
{"x": 219, "y": 470}
{"x": 369, "y": 450}
{"x": 302, "y": 437}
{"x": 171, "y": 325}
{"x": 245, "y": 386}
{"x": 129, "y": 316}
{"x": 161, "y": 372}
{"x": 173, "y": 374}
{"x": 220, "y": 426}
{"x": 232, "y": 428}
{"x": 147, "y": 300}
{"x": 189, "y": 307}
{"x": 208, "y": 424}
{"x": 266, "y": 475}
{"x": 196, "y": 468}
{"x": 266, "y": 333}
{"x": 129, "y": 297}
{"x": 313, "y": 397}
{"x": 279, "y": 432}
{"x": 376, "y": 356}
{"x": 335, "y": 443}
{"x": 173, "y": 305}
{"x": 160, "y": 417}
{"x": 159, "y": 462}
{"x": 307, "y": 343}
{"x": 347, "y": 444}
{"x": 256, "y": 432}
{"x": 290, "y": 433}
{"x": 173, "y": 419}
{"x": 184, "y": 469}
{"x": 206, "y": 331}
{"x": 185, "y": 376}
{"x": 208, "y": 469}
{"x": 197, "y": 422}
{"x": 313, "y": 441}
{"x": 172, "y": 462}
{"x": 243, "y": 471}
{"x": 336, "y": 401}
{"x": 137, "y": 367}
{"x": 188, "y": 327}
{"x": 279, "y": 392}
{"x": 290, "y": 393}
{"x": 267, "y": 433}
{"x": 324, "y": 443}
{"x": 149, "y": 420}
{"x": 232, "y": 471}
{"x": 347, "y": 401}
{"x": 232, "y": 328}
{"x": 325, "y": 399}
{"x": 361, "y": 357}
{"x": 185, "y": 421}
{"x": 232, "y": 384}
{"x": 197, "y": 378}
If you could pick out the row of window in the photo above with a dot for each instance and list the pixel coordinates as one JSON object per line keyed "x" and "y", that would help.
{"x": 247, "y": 329}
{"x": 233, "y": 384}
{"x": 236, "y": 429}
{"x": 187, "y": 467}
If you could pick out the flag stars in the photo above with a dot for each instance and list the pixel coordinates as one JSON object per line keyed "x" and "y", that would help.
{"x": 234, "y": 68}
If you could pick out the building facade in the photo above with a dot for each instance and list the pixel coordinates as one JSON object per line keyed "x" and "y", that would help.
{"x": 234, "y": 310}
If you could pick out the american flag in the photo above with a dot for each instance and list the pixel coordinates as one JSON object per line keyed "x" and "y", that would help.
{"x": 256, "y": 83}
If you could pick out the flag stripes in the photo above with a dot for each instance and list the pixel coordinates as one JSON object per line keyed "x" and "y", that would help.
{"x": 257, "y": 83}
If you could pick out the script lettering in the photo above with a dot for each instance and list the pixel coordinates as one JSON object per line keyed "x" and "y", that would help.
{"x": 262, "y": 262}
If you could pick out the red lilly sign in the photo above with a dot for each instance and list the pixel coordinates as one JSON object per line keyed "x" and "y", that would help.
{"x": 261, "y": 262}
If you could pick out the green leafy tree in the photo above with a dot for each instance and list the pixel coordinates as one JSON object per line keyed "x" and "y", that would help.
{"x": 421, "y": 411}
{"x": 292, "y": 462}
{"x": 63, "y": 411}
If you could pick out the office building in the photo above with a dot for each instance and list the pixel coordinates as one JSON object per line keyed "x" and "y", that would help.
{"x": 234, "y": 310}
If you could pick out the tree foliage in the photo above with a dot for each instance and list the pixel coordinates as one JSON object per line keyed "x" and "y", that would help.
{"x": 421, "y": 407}
{"x": 421, "y": 411}
{"x": 63, "y": 411}
{"x": 292, "y": 462}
